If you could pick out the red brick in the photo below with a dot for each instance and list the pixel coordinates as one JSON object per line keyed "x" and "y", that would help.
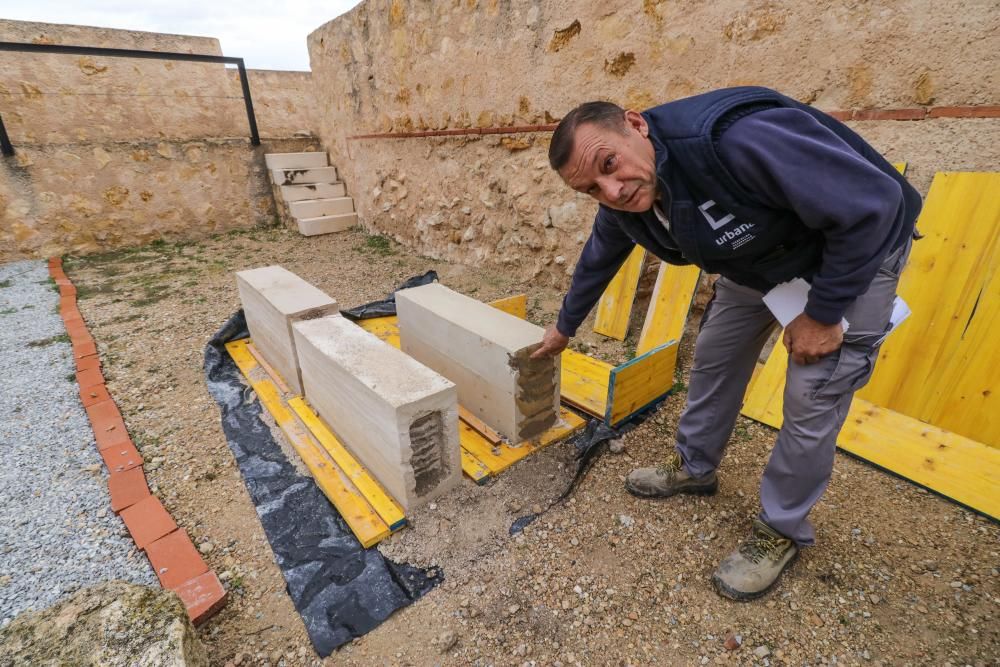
{"x": 109, "y": 427}
{"x": 55, "y": 261}
{"x": 148, "y": 521}
{"x": 57, "y": 273}
{"x": 90, "y": 376}
{"x": 84, "y": 349}
{"x": 88, "y": 362}
{"x": 78, "y": 333}
{"x": 93, "y": 395}
{"x": 174, "y": 559}
{"x": 127, "y": 488}
{"x": 69, "y": 314}
{"x": 67, "y": 290}
{"x": 121, "y": 457}
{"x": 983, "y": 111}
{"x": 62, "y": 281}
{"x": 202, "y": 596}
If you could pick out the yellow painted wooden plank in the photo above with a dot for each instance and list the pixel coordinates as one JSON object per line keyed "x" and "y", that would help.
{"x": 615, "y": 306}
{"x": 474, "y": 468}
{"x": 501, "y": 456}
{"x": 900, "y": 167}
{"x": 269, "y": 369}
{"x": 366, "y": 525}
{"x": 638, "y": 383}
{"x": 954, "y": 466}
{"x": 765, "y": 395}
{"x": 383, "y": 504}
{"x": 965, "y": 396}
{"x": 942, "y": 284}
{"x": 478, "y": 424}
{"x": 669, "y": 306}
{"x": 584, "y": 382}
{"x": 516, "y": 305}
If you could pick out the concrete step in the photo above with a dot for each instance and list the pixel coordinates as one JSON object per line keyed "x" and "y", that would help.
{"x": 300, "y": 176}
{"x": 315, "y": 208}
{"x": 327, "y": 224}
{"x": 296, "y": 160}
{"x": 292, "y": 193}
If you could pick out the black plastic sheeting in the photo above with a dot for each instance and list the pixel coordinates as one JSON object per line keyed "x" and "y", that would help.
{"x": 387, "y": 306}
{"x": 340, "y": 589}
{"x": 588, "y": 447}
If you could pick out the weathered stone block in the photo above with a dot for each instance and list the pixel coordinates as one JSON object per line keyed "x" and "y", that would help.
{"x": 486, "y": 352}
{"x": 306, "y": 160}
{"x": 292, "y": 193}
{"x": 315, "y": 208}
{"x": 301, "y": 176}
{"x": 274, "y": 298}
{"x": 327, "y": 224}
{"x": 398, "y": 417}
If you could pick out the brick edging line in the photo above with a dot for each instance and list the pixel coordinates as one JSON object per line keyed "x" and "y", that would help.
{"x": 916, "y": 113}
{"x": 173, "y": 556}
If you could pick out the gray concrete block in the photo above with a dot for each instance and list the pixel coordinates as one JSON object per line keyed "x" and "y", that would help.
{"x": 273, "y": 298}
{"x": 486, "y": 353}
{"x": 398, "y": 417}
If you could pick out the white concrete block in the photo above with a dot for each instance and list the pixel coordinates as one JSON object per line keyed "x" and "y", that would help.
{"x": 315, "y": 208}
{"x": 296, "y": 160}
{"x": 327, "y": 224}
{"x": 398, "y": 417}
{"x": 273, "y": 298}
{"x": 486, "y": 353}
{"x": 300, "y": 176}
{"x": 292, "y": 193}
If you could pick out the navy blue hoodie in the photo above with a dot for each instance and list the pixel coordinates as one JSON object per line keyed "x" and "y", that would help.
{"x": 790, "y": 162}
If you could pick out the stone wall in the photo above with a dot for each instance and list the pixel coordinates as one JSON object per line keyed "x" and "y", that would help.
{"x": 412, "y": 66}
{"x": 117, "y": 151}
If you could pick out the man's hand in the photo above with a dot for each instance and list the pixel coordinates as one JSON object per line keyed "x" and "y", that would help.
{"x": 553, "y": 343}
{"x": 807, "y": 340}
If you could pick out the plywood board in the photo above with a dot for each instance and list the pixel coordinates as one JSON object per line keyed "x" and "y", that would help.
{"x": 669, "y": 306}
{"x": 615, "y": 306}
{"x": 639, "y": 382}
{"x": 584, "y": 382}
{"x": 499, "y": 457}
{"x": 921, "y": 368}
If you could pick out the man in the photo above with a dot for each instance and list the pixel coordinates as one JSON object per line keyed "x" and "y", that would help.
{"x": 761, "y": 189}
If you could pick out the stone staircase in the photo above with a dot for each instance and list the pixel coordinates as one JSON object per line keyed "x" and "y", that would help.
{"x": 309, "y": 194}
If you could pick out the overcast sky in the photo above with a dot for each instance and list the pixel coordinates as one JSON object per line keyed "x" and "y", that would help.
{"x": 267, "y": 34}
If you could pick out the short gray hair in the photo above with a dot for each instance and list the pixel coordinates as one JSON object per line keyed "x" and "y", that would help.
{"x": 603, "y": 114}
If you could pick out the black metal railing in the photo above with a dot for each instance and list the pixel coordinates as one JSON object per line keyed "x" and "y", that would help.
{"x": 8, "y": 148}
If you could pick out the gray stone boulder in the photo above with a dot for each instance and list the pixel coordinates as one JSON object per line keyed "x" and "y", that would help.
{"x": 115, "y": 623}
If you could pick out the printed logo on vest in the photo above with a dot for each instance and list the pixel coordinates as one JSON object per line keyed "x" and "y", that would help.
{"x": 715, "y": 223}
{"x": 737, "y": 237}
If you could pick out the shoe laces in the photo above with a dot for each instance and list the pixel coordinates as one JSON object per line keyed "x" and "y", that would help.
{"x": 670, "y": 467}
{"x": 761, "y": 545}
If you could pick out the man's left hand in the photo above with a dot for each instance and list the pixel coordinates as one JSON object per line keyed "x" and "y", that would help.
{"x": 808, "y": 340}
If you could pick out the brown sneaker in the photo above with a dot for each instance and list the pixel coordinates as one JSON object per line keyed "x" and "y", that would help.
{"x": 668, "y": 480}
{"x": 754, "y": 568}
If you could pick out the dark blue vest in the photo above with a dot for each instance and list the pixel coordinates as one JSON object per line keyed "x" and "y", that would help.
{"x": 716, "y": 223}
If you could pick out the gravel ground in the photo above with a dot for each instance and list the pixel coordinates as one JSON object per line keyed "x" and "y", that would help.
{"x": 57, "y": 531}
{"x": 899, "y": 576}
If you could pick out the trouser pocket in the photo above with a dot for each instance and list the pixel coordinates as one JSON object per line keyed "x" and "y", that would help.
{"x": 855, "y": 364}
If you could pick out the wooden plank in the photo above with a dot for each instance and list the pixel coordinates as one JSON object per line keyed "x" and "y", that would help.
{"x": 943, "y": 284}
{"x": 639, "y": 382}
{"x": 615, "y": 306}
{"x": 956, "y": 467}
{"x": 275, "y": 376}
{"x": 498, "y": 458}
{"x": 765, "y": 396}
{"x": 584, "y": 382}
{"x": 383, "y": 504}
{"x": 478, "y": 424}
{"x": 364, "y": 522}
{"x": 474, "y": 468}
{"x": 516, "y": 305}
{"x": 900, "y": 167}
{"x": 669, "y": 306}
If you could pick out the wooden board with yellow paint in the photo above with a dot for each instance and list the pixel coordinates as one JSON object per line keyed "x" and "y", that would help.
{"x": 361, "y": 517}
{"x": 936, "y": 367}
{"x": 584, "y": 381}
{"x": 640, "y": 382}
{"x": 498, "y": 457}
{"x": 669, "y": 306}
{"x": 615, "y": 307}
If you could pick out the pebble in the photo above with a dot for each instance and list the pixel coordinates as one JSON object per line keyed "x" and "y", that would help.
{"x": 762, "y": 651}
{"x": 733, "y": 641}
{"x": 616, "y": 446}
{"x": 626, "y": 521}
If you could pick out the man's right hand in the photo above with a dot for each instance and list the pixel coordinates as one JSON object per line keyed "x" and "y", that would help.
{"x": 553, "y": 343}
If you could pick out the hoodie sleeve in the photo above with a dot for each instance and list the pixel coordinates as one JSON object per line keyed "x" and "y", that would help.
{"x": 791, "y": 161}
{"x": 603, "y": 254}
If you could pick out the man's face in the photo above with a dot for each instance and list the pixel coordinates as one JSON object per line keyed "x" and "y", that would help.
{"x": 617, "y": 169}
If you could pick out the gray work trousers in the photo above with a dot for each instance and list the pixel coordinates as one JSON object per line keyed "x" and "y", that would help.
{"x": 734, "y": 328}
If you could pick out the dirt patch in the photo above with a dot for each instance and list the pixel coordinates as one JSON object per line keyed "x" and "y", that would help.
{"x": 899, "y": 576}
